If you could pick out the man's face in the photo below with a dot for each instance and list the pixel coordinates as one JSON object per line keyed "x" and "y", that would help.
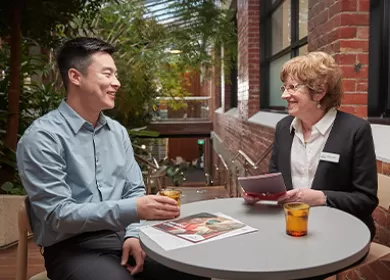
{"x": 100, "y": 84}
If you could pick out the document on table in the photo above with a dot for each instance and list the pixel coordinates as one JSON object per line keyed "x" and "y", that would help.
{"x": 194, "y": 229}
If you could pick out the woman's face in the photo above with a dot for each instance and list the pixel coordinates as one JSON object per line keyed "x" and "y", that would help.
{"x": 300, "y": 103}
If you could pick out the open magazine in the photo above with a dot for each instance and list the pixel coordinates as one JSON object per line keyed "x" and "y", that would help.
{"x": 202, "y": 226}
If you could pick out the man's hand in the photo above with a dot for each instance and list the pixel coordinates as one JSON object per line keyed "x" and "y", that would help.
{"x": 155, "y": 207}
{"x": 309, "y": 196}
{"x": 132, "y": 247}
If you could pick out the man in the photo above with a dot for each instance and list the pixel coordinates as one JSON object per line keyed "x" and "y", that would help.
{"x": 85, "y": 189}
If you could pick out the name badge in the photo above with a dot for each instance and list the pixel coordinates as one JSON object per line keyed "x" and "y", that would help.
{"x": 331, "y": 157}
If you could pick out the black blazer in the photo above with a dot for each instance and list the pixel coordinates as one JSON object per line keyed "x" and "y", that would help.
{"x": 351, "y": 184}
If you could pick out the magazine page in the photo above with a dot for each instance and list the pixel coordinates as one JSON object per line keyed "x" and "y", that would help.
{"x": 199, "y": 227}
{"x": 195, "y": 229}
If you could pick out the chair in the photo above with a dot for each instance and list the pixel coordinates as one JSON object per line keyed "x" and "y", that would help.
{"x": 378, "y": 252}
{"x": 21, "y": 257}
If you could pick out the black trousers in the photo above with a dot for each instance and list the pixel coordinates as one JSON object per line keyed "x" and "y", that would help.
{"x": 97, "y": 256}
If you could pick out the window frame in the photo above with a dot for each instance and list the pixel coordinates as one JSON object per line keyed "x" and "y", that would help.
{"x": 234, "y": 74}
{"x": 266, "y": 56}
{"x": 378, "y": 107}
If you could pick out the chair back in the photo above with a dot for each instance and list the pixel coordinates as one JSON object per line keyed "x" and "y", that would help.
{"x": 24, "y": 229}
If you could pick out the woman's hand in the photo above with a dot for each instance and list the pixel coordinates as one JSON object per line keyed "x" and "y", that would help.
{"x": 309, "y": 196}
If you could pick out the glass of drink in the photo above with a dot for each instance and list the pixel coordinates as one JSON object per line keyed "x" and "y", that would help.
{"x": 297, "y": 215}
{"x": 172, "y": 193}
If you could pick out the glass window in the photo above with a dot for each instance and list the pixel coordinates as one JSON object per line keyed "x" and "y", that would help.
{"x": 379, "y": 63}
{"x": 281, "y": 27}
{"x": 303, "y": 50}
{"x": 275, "y": 83}
{"x": 286, "y": 26}
{"x": 303, "y": 15}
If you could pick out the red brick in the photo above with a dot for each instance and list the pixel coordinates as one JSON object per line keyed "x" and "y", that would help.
{"x": 335, "y": 9}
{"x": 351, "y": 72}
{"x": 348, "y": 5}
{"x": 329, "y": 2}
{"x": 363, "y": 32}
{"x": 361, "y": 111}
{"x": 379, "y": 166}
{"x": 354, "y": 46}
{"x": 362, "y": 86}
{"x": 364, "y": 5}
{"x": 346, "y": 59}
{"x": 357, "y": 19}
{"x": 349, "y": 85}
{"x": 348, "y": 32}
{"x": 362, "y": 58}
{"x": 348, "y": 109}
{"x": 332, "y": 36}
{"x": 355, "y": 99}
{"x": 386, "y": 168}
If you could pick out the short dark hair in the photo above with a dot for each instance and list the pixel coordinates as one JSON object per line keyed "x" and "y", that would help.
{"x": 76, "y": 53}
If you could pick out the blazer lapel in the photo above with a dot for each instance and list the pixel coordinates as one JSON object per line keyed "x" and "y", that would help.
{"x": 332, "y": 142}
{"x": 286, "y": 162}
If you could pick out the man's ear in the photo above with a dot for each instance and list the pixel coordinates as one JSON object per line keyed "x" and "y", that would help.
{"x": 74, "y": 77}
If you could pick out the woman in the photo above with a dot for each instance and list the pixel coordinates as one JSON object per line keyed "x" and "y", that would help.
{"x": 326, "y": 156}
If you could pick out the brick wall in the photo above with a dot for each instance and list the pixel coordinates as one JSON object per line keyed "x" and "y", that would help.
{"x": 338, "y": 27}
{"x": 248, "y": 29}
{"x": 341, "y": 28}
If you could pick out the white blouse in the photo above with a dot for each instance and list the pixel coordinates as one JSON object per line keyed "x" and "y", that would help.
{"x": 306, "y": 156}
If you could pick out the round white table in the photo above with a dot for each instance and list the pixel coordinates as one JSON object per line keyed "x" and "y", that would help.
{"x": 335, "y": 241}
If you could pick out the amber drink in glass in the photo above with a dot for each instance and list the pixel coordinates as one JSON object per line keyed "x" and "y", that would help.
{"x": 297, "y": 216}
{"x": 172, "y": 193}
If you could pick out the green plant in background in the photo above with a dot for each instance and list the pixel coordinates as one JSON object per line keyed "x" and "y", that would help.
{"x": 30, "y": 86}
{"x": 175, "y": 171}
{"x": 145, "y": 69}
{"x": 207, "y": 26}
{"x": 8, "y": 158}
{"x": 38, "y": 20}
{"x": 36, "y": 99}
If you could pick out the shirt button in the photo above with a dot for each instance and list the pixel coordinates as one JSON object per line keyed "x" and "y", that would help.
{"x": 97, "y": 159}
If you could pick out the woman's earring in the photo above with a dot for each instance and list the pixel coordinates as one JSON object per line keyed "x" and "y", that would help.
{"x": 318, "y": 105}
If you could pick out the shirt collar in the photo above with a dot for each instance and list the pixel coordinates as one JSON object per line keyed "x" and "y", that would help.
{"x": 74, "y": 120}
{"x": 322, "y": 125}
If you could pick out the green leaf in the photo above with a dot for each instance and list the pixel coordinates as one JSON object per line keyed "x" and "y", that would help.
{"x": 8, "y": 162}
{"x": 7, "y": 187}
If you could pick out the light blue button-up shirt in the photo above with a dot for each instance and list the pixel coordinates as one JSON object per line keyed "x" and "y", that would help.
{"x": 78, "y": 178}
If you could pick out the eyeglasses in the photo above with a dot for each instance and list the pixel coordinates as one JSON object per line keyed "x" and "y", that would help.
{"x": 291, "y": 88}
